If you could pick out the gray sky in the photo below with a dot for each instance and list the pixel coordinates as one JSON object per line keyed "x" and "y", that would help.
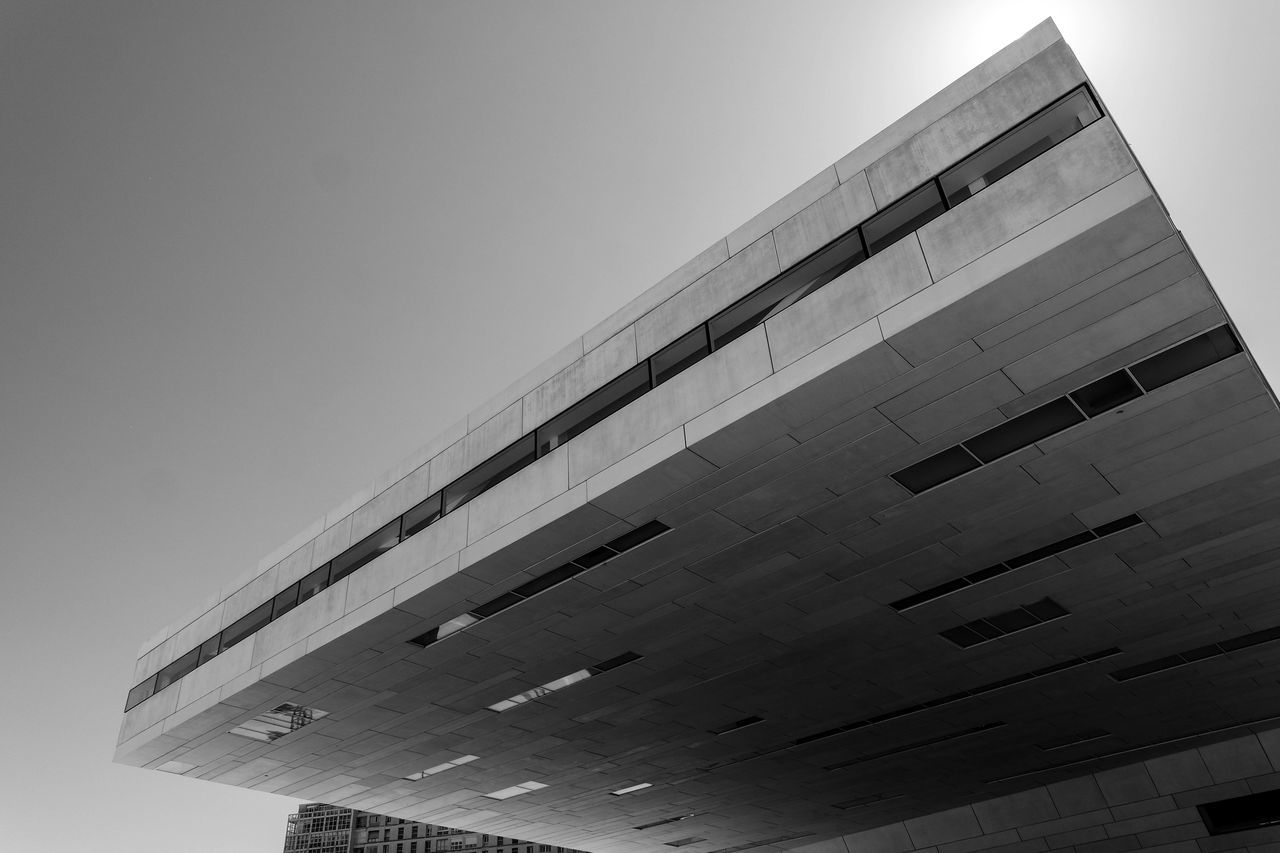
{"x": 253, "y": 256}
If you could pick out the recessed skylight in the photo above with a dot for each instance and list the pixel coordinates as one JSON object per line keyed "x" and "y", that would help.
{"x": 440, "y": 768}
{"x": 515, "y": 790}
{"x": 631, "y": 788}
{"x": 564, "y": 681}
{"x": 278, "y": 722}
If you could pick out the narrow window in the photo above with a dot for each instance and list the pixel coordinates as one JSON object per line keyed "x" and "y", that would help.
{"x": 422, "y": 515}
{"x": 177, "y": 669}
{"x": 285, "y": 601}
{"x": 1187, "y": 357}
{"x": 902, "y": 217}
{"x": 595, "y": 408}
{"x": 489, "y": 473}
{"x": 1019, "y": 146}
{"x": 679, "y": 354}
{"x": 1241, "y": 813}
{"x": 313, "y": 583}
{"x": 937, "y": 469}
{"x": 796, "y": 283}
{"x": 246, "y": 625}
{"x": 1024, "y": 430}
{"x": 140, "y": 693}
{"x": 209, "y": 649}
{"x": 367, "y": 549}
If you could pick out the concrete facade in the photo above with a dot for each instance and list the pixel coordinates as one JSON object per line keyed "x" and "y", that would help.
{"x": 772, "y": 595}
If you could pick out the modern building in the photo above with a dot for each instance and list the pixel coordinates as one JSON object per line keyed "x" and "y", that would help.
{"x": 932, "y": 509}
{"x": 320, "y": 828}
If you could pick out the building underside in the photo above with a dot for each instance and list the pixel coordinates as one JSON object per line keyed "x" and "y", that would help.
{"x": 976, "y": 498}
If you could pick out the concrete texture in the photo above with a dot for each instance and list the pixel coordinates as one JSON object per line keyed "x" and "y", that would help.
{"x": 770, "y": 596}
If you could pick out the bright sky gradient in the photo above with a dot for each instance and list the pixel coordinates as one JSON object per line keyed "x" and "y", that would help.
{"x": 254, "y": 253}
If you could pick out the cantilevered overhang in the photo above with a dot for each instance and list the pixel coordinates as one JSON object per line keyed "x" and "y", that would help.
{"x": 832, "y": 634}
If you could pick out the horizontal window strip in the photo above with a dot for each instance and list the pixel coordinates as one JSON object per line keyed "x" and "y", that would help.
{"x": 1097, "y": 398}
{"x": 1018, "y": 562}
{"x": 806, "y": 276}
{"x": 982, "y": 630}
{"x": 920, "y": 744}
{"x": 1199, "y": 653}
{"x": 545, "y": 581}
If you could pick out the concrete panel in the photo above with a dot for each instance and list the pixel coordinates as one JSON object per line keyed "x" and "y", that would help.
{"x": 857, "y": 296}
{"x": 217, "y": 672}
{"x": 477, "y": 446}
{"x": 1016, "y": 96}
{"x": 1127, "y": 326}
{"x": 701, "y": 264}
{"x": 824, "y": 220}
{"x": 717, "y": 377}
{"x": 304, "y": 620}
{"x": 718, "y": 289}
{"x": 1103, "y": 229}
{"x": 399, "y": 497}
{"x": 651, "y": 473}
{"x": 150, "y": 713}
{"x": 958, "y": 407}
{"x": 528, "y": 488}
{"x": 332, "y": 542}
{"x": 426, "y": 548}
{"x": 580, "y": 378}
{"x": 246, "y": 598}
{"x": 975, "y": 81}
{"x": 421, "y": 456}
{"x": 531, "y": 380}
{"x": 784, "y": 208}
{"x": 1073, "y": 170}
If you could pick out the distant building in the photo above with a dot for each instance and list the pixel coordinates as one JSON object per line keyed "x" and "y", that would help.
{"x": 320, "y": 828}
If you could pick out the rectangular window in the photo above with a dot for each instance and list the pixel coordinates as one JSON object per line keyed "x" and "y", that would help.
{"x": 177, "y": 669}
{"x": 1019, "y": 146}
{"x": 142, "y": 692}
{"x": 595, "y": 408}
{"x": 246, "y": 625}
{"x": 489, "y": 473}
{"x": 799, "y": 281}
{"x": 1238, "y": 814}
{"x": 902, "y": 217}
{"x": 209, "y": 649}
{"x": 1024, "y": 430}
{"x": 285, "y": 601}
{"x": 422, "y": 515}
{"x": 313, "y": 583}
{"x": 367, "y": 549}
{"x": 679, "y": 354}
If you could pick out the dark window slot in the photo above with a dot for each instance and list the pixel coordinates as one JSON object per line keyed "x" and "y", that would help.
{"x": 1106, "y": 393}
{"x": 591, "y": 559}
{"x": 140, "y": 693}
{"x": 679, "y": 354}
{"x": 1019, "y": 147}
{"x": 595, "y": 408}
{"x": 1186, "y": 358}
{"x": 963, "y": 636}
{"x": 1025, "y": 429}
{"x": 1238, "y": 814}
{"x": 1049, "y": 550}
{"x": 497, "y": 605}
{"x": 615, "y": 662}
{"x": 426, "y": 638}
{"x": 902, "y": 217}
{"x": 245, "y": 625}
{"x": 639, "y": 536}
{"x": 796, "y": 283}
{"x": 489, "y": 473}
{"x": 209, "y": 648}
{"x": 936, "y": 470}
{"x": 1118, "y": 525}
{"x": 988, "y": 573}
{"x": 422, "y": 515}
{"x": 285, "y": 601}
{"x": 367, "y": 549}
{"x": 737, "y": 725}
{"x": 313, "y": 583}
{"x": 548, "y": 580}
{"x": 177, "y": 669}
